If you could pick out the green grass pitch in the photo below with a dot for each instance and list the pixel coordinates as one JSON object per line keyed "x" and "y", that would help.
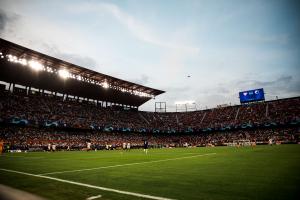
{"x": 261, "y": 172}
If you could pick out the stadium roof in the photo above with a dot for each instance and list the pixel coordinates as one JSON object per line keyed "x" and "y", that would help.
{"x": 75, "y": 80}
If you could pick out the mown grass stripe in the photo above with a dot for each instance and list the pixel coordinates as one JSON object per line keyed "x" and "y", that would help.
{"x": 129, "y": 164}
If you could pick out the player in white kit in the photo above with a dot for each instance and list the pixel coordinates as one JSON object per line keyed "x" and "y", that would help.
{"x": 53, "y": 147}
{"x": 128, "y": 146}
{"x": 88, "y": 146}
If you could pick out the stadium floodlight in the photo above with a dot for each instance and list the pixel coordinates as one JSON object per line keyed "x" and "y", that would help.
{"x": 105, "y": 84}
{"x": 12, "y": 58}
{"x": 184, "y": 102}
{"x": 35, "y": 65}
{"x": 79, "y": 77}
{"x": 141, "y": 94}
{"x": 49, "y": 69}
{"x": 64, "y": 73}
{"x": 23, "y": 61}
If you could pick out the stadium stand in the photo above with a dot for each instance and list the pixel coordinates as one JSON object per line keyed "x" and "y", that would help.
{"x": 84, "y": 105}
{"x": 33, "y": 121}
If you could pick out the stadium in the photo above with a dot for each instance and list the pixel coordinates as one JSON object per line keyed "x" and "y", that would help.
{"x": 70, "y": 132}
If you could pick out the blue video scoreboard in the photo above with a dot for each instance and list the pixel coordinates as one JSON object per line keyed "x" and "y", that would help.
{"x": 252, "y": 95}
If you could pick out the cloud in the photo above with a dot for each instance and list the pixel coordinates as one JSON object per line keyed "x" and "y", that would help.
{"x": 284, "y": 86}
{"x": 164, "y": 58}
{"x": 5, "y": 19}
{"x": 173, "y": 94}
{"x": 139, "y": 29}
{"x": 142, "y": 80}
{"x": 10, "y": 29}
{"x": 172, "y": 45}
{"x": 282, "y": 81}
{"x": 80, "y": 60}
{"x": 77, "y": 59}
{"x": 178, "y": 89}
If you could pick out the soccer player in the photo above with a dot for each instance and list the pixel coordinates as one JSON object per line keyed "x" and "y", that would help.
{"x": 270, "y": 141}
{"x": 49, "y": 147}
{"x": 88, "y": 146}
{"x": 146, "y": 146}
{"x": 53, "y": 147}
{"x": 128, "y": 146}
{"x": 124, "y": 145}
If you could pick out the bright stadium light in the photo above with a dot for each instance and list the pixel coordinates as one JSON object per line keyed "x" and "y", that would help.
{"x": 12, "y": 58}
{"x": 23, "y": 61}
{"x": 35, "y": 65}
{"x": 79, "y": 78}
{"x": 49, "y": 69}
{"x": 64, "y": 73}
{"x": 105, "y": 85}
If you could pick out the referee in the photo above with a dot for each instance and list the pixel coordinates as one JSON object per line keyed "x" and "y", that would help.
{"x": 146, "y": 146}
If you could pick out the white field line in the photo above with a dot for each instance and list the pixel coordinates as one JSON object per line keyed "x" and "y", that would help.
{"x": 129, "y": 164}
{"x": 94, "y": 197}
{"x": 90, "y": 186}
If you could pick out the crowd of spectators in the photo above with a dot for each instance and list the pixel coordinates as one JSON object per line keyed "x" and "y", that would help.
{"x": 53, "y": 110}
{"x": 49, "y": 118}
{"x": 26, "y": 138}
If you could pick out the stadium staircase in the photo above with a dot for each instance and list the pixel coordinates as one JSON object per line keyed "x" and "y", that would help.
{"x": 141, "y": 116}
{"x": 203, "y": 118}
{"x": 237, "y": 114}
{"x": 177, "y": 120}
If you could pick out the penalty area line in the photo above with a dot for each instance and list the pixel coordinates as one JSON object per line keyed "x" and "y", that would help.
{"x": 89, "y": 186}
{"x": 129, "y": 164}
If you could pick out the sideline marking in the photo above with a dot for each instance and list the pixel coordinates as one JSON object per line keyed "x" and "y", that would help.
{"x": 94, "y": 197}
{"x": 129, "y": 164}
{"x": 90, "y": 186}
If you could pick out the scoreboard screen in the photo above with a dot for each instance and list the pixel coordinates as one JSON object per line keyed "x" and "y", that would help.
{"x": 252, "y": 95}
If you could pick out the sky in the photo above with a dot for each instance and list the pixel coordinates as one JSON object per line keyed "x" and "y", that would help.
{"x": 225, "y": 46}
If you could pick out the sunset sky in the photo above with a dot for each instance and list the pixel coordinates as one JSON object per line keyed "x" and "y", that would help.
{"x": 225, "y": 46}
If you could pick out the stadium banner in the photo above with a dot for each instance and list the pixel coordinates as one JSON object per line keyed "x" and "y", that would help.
{"x": 19, "y": 121}
{"x": 108, "y": 129}
{"x": 142, "y": 130}
{"x": 51, "y": 124}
